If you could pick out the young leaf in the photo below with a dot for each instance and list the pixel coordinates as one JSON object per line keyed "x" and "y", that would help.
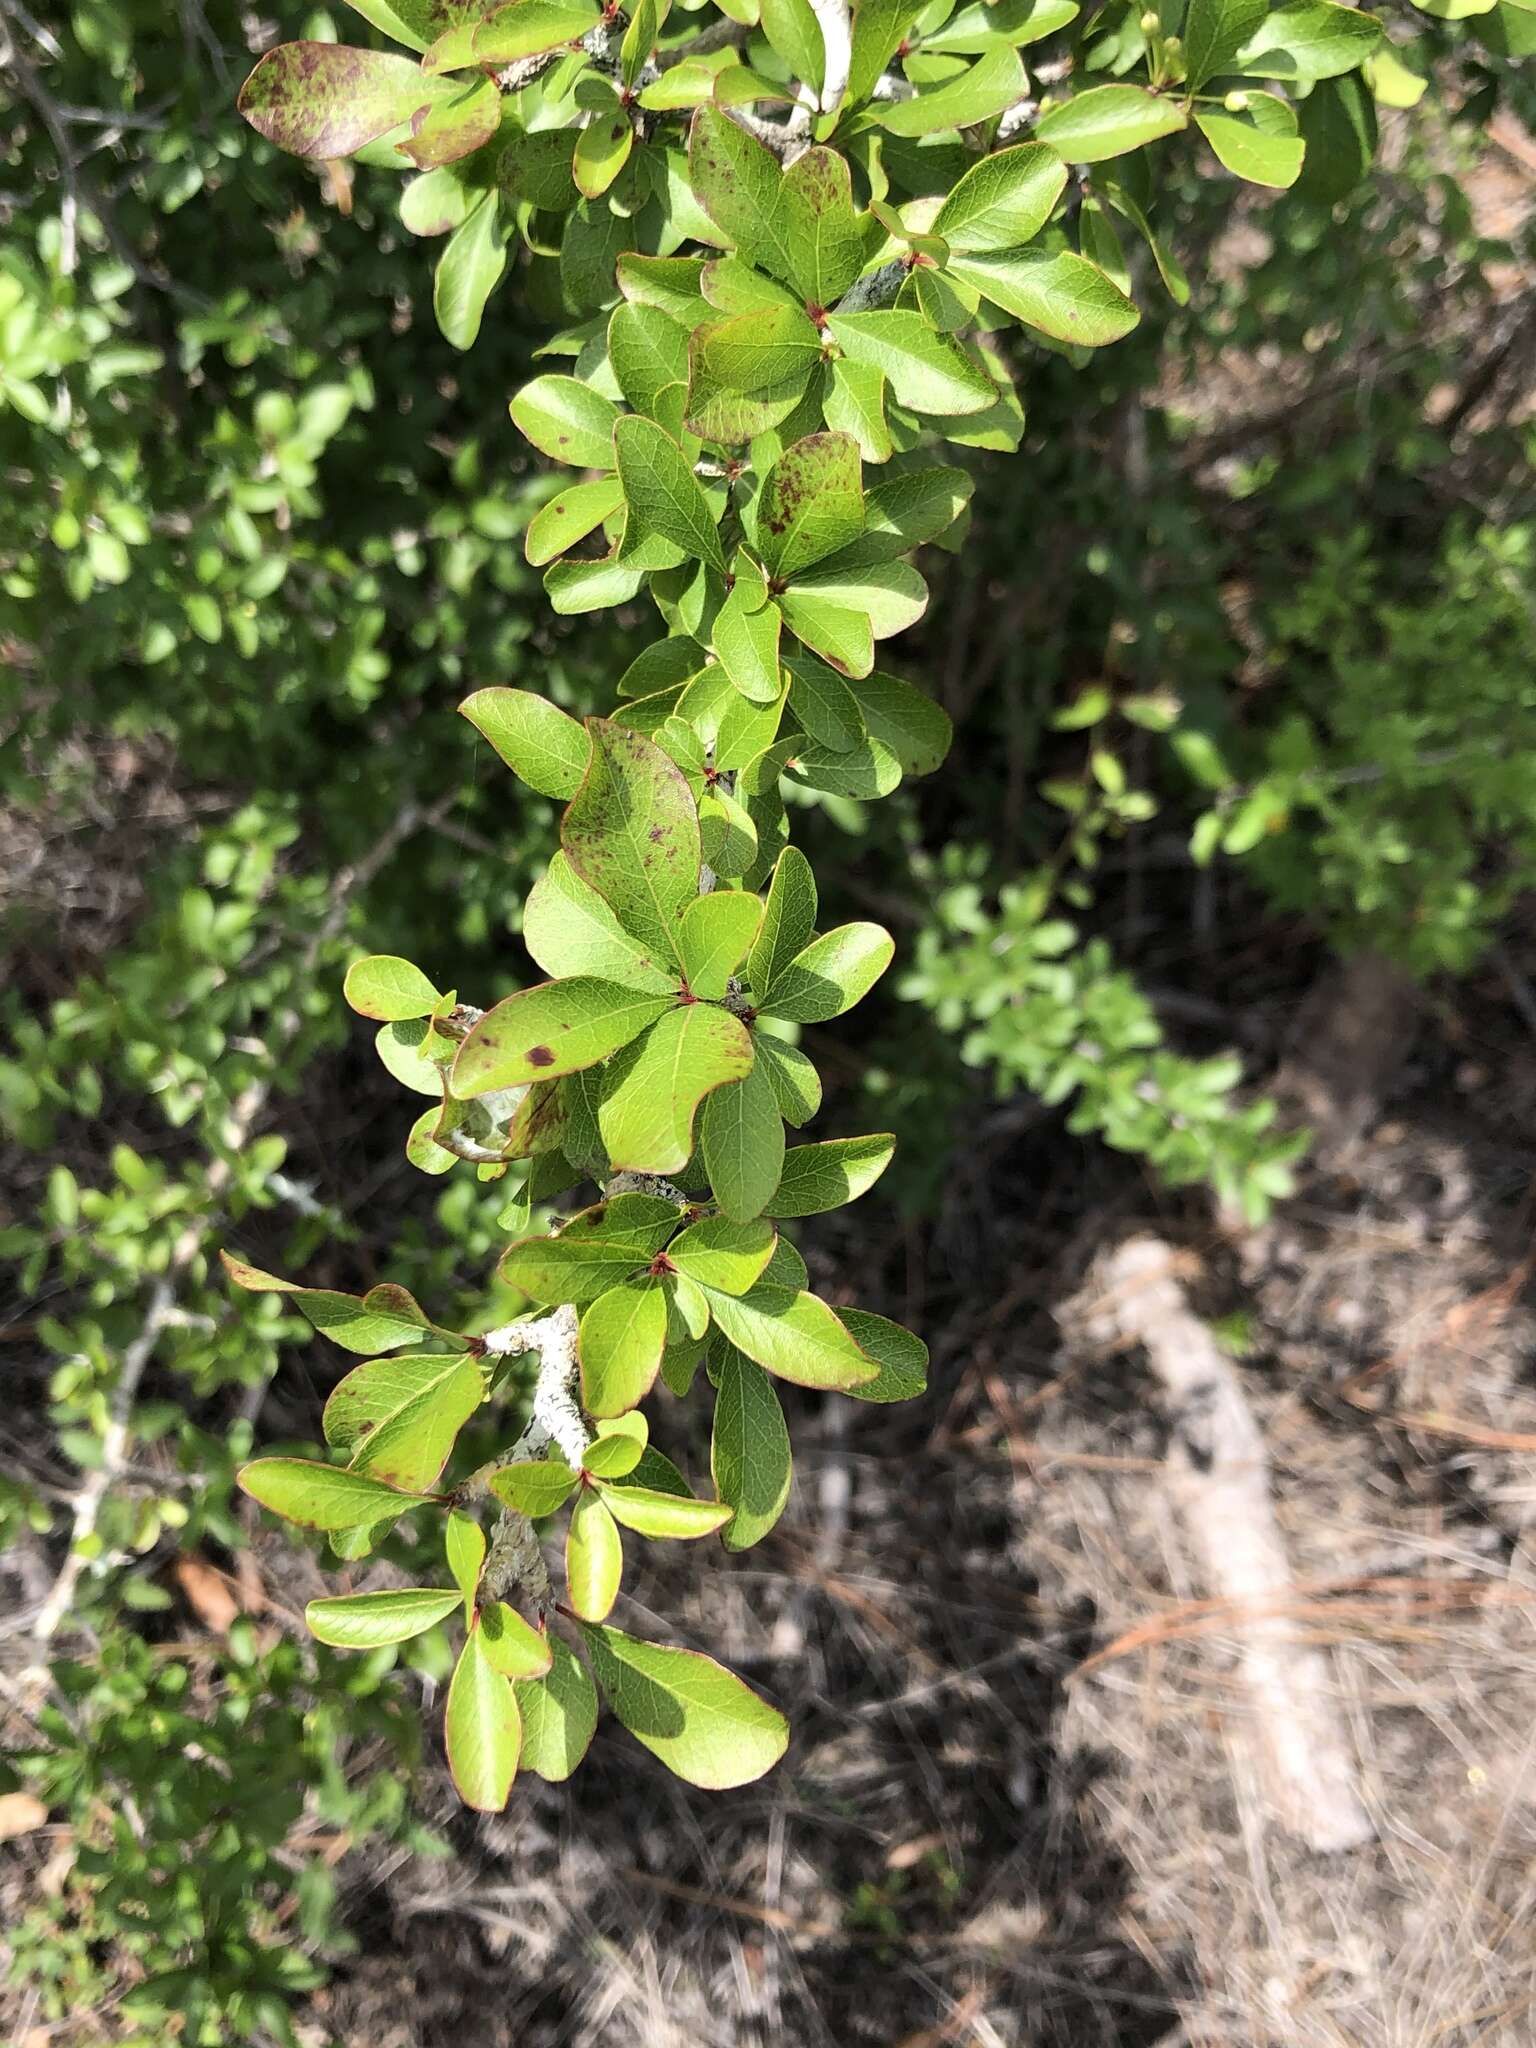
{"x": 789, "y": 918}
{"x": 736, "y": 181}
{"x": 594, "y": 1557}
{"x": 703, "y": 1723}
{"x": 719, "y": 1253}
{"x": 632, "y": 834}
{"x": 1004, "y": 199}
{"x": 1107, "y": 121}
{"x": 483, "y": 1729}
{"x": 1062, "y": 294}
{"x": 570, "y": 930}
{"x": 902, "y": 1359}
{"x": 623, "y": 1334}
{"x": 741, "y": 1140}
{"x": 793, "y": 1335}
{"x": 929, "y": 372}
{"x": 401, "y": 1416}
{"x": 537, "y": 1489}
{"x": 556, "y": 1028}
{"x": 812, "y": 502}
{"x": 663, "y": 1515}
{"x": 368, "y": 1621}
{"x": 713, "y": 937}
{"x": 615, "y": 1455}
{"x": 323, "y": 1496}
{"x": 832, "y": 974}
{"x": 464, "y": 1542}
{"x": 647, "y": 1120}
{"x": 511, "y": 1646}
{"x": 567, "y": 421}
{"x": 749, "y": 1453}
{"x": 821, "y": 1177}
{"x": 662, "y": 492}
{"x": 559, "y": 1714}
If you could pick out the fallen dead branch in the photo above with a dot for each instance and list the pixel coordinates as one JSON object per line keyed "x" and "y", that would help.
{"x": 1218, "y": 1474}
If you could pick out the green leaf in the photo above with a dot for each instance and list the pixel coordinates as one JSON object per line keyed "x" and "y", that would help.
{"x": 570, "y": 930}
{"x": 704, "y": 1724}
{"x": 472, "y": 264}
{"x": 556, "y": 1028}
{"x": 824, "y": 705}
{"x": 1061, "y": 294}
{"x": 840, "y": 636}
{"x": 483, "y": 1729}
{"x": 1309, "y": 39}
{"x": 622, "y": 1337}
{"x": 831, "y": 974}
{"x": 594, "y": 1557}
{"x": 1213, "y": 33}
{"x": 714, "y": 934}
{"x": 597, "y": 1249}
{"x": 388, "y": 987}
{"x": 1338, "y": 126}
{"x": 602, "y": 150}
{"x": 540, "y": 743}
{"x": 747, "y": 643}
{"x": 381, "y": 1320}
{"x": 793, "y": 1335}
{"x": 649, "y": 353}
{"x": 749, "y": 1452}
{"x": 559, "y": 1715}
{"x": 464, "y": 1543}
{"x": 567, "y": 421}
{"x": 577, "y": 586}
{"x": 789, "y": 919}
{"x": 616, "y": 1453}
{"x": 323, "y": 1496}
{"x": 1107, "y": 121}
{"x": 632, "y": 833}
{"x": 537, "y": 1489}
{"x": 565, "y": 520}
{"x": 368, "y": 1621}
{"x": 825, "y": 1176}
{"x": 510, "y": 1645}
{"x": 736, "y": 180}
{"x": 328, "y": 100}
{"x": 747, "y": 372}
{"x": 1249, "y": 152}
{"x": 662, "y": 492}
{"x": 853, "y": 402}
{"x": 985, "y": 89}
{"x": 453, "y": 128}
{"x": 878, "y": 29}
{"x": 399, "y": 1417}
{"x": 1003, "y": 199}
{"x": 794, "y": 34}
{"x": 916, "y": 730}
{"x": 416, "y": 23}
{"x": 795, "y": 1083}
{"x": 741, "y": 1141}
{"x": 664, "y": 1515}
{"x": 722, "y": 1254}
{"x": 828, "y": 240}
{"x": 527, "y": 28}
{"x": 902, "y": 1358}
{"x": 977, "y": 26}
{"x": 811, "y": 504}
{"x": 929, "y": 372}
{"x": 647, "y": 1119}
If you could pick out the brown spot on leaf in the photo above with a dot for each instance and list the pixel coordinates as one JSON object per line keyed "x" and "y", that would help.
{"x": 540, "y": 1056}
